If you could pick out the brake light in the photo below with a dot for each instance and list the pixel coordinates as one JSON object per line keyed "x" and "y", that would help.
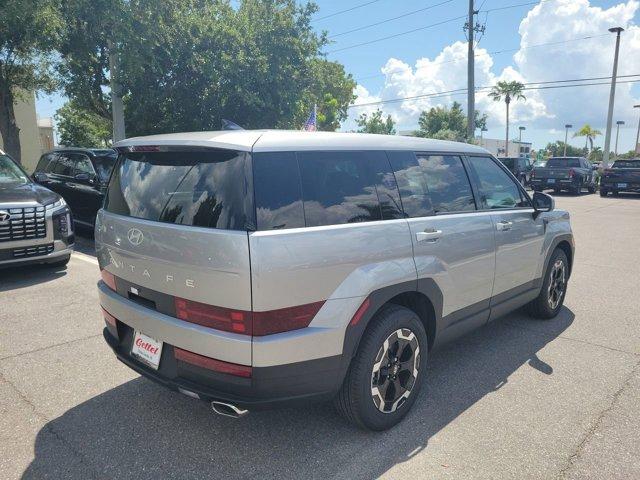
{"x": 533, "y": 174}
{"x": 110, "y": 319}
{"x": 360, "y": 312}
{"x": 284, "y": 319}
{"x": 571, "y": 172}
{"x": 144, "y": 148}
{"x": 109, "y": 279}
{"x": 220, "y": 318}
{"x": 211, "y": 363}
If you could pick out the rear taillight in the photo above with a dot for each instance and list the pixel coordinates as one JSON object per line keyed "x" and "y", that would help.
{"x": 572, "y": 172}
{"x": 110, "y": 319}
{"x": 211, "y": 363}
{"x": 109, "y": 279}
{"x": 246, "y": 323}
{"x": 284, "y": 319}
{"x": 220, "y": 318}
{"x": 533, "y": 174}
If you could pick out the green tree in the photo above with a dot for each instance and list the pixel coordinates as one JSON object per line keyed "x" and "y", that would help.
{"x": 507, "y": 91}
{"x": 556, "y": 149}
{"x": 589, "y": 133}
{"x": 186, "y": 65}
{"x": 595, "y": 155}
{"x": 79, "y": 127}
{"x": 447, "y": 123}
{"x": 29, "y": 31}
{"x": 374, "y": 123}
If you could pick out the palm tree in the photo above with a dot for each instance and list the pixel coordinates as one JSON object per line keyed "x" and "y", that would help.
{"x": 589, "y": 133}
{"x": 508, "y": 91}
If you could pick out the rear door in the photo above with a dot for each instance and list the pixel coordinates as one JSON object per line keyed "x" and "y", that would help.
{"x": 453, "y": 243}
{"x": 175, "y": 225}
{"x": 61, "y": 172}
{"x": 519, "y": 236}
{"x": 84, "y": 193}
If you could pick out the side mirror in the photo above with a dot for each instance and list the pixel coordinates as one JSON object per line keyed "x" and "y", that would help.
{"x": 41, "y": 177}
{"x": 543, "y": 202}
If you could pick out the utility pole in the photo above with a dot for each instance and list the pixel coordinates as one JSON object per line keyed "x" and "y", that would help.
{"x": 637, "y": 145}
{"x": 612, "y": 98}
{"x": 618, "y": 123}
{"x": 471, "y": 94}
{"x": 566, "y": 135}
{"x": 117, "y": 107}
{"x": 522, "y": 129}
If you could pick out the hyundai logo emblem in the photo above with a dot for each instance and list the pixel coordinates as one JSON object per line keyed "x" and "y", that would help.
{"x": 135, "y": 236}
{"x": 4, "y": 216}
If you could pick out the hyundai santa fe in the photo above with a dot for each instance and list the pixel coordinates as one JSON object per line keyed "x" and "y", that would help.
{"x": 254, "y": 269}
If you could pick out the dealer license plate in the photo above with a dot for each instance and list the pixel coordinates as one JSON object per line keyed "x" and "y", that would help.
{"x": 551, "y": 180}
{"x": 147, "y": 349}
{"x": 622, "y": 185}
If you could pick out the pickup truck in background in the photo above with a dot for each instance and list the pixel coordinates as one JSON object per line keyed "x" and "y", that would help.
{"x": 623, "y": 176}
{"x": 571, "y": 174}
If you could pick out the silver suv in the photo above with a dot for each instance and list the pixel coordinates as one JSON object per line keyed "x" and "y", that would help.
{"x": 253, "y": 269}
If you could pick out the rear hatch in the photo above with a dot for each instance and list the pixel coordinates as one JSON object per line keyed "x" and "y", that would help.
{"x": 558, "y": 168}
{"x": 174, "y": 231}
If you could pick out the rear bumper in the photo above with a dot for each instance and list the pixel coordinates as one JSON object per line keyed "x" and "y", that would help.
{"x": 269, "y": 387}
{"x": 626, "y": 186}
{"x": 556, "y": 183}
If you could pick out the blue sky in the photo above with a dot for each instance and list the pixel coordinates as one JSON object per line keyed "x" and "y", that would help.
{"x": 544, "y": 114}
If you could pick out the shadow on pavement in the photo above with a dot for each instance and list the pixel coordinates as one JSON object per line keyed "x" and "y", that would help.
{"x": 84, "y": 241}
{"x": 23, "y": 276}
{"x": 140, "y": 430}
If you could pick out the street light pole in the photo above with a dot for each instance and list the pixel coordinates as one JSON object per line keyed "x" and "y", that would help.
{"x": 521, "y": 130}
{"x": 637, "y": 145}
{"x": 566, "y": 136}
{"x": 618, "y": 123}
{"x": 612, "y": 98}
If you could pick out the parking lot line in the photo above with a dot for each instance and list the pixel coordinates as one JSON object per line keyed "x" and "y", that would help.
{"x": 84, "y": 258}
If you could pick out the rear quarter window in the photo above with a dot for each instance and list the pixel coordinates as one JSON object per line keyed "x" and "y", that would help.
{"x": 208, "y": 188}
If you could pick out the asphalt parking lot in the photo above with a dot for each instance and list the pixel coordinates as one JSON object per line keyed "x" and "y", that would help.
{"x": 517, "y": 399}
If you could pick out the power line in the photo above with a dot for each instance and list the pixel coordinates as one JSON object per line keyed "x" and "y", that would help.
{"x": 397, "y": 34}
{"x": 495, "y": 52}
{"x": 345, "y": 11}
{"x": 390, "y": 19}
{"x": 546, "y": 85}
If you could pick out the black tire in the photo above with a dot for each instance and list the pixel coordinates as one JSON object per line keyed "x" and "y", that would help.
{"x": 576, "y": 190}
{"x": 591, "y": 188}
{"x": 60, "y": 263}
{"x": 356, "y": 400}
{"x": 615, "y": 193}
{"x": 603, "y": 192}
{"x": 556, "y": 191}
{"x": 544, "y": 306}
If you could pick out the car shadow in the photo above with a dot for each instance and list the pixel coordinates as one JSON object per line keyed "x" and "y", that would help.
{"x": 85, "y": 240}
{"x": 143, "y": 431}
{"x": 23, "y": 276}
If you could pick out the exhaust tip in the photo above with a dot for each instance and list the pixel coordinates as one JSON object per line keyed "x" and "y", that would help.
{"x": 228, "y": 410}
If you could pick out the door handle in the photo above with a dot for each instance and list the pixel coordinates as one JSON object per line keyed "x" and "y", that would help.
{"x": 428, "y": 235}
{"x": 504, "y": 226}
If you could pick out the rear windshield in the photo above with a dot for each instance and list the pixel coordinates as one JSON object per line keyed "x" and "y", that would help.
{"x": 626, "y": 164}
{"x": 209, "y": 188}
{"x": 508, "y": 162}
{"x": 563, "y": 162}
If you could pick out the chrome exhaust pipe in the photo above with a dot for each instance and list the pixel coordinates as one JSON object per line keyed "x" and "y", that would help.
{"x": 228, "y": 410}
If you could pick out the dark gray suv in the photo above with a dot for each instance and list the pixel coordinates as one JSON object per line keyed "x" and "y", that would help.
{"x": 254, "y": 269}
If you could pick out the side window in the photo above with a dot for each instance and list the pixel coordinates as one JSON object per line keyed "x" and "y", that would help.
{"x": 411, "y": 183}
{"x": 447, "y": 183}
{"x": 278, "y": 193}
{"x": 45, "y": 162}
{"x": 82, "y": 164}
{"x": 496, "y": 188}
{"x": 64, "y": 166}
{"x": 339, "y": 187}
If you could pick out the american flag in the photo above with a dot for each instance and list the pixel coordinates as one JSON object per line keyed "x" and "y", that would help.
{"x": 310, "y": 124}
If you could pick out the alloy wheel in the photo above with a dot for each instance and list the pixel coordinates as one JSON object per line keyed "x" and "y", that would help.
{"x": 395, "y": 370}
{"x": 557, "y": 284}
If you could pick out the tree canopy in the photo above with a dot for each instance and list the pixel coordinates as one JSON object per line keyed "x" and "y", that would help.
{"x": 80, "y": 127}
{"x": 374, "y": 123}
{"x": 556, "y": 149}
{"x": 446, "y": 123}
{"x": 29, "y": 31}
{"x": 185, "y": 65}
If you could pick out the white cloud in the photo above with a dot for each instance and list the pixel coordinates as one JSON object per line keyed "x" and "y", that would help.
{"x": 547, "y": 22}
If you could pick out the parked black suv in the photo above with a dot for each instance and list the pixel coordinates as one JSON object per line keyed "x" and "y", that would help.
{"x": 520, "y": 167}
{"x": 80, "y": 175}
{"x": 35, "y": 223}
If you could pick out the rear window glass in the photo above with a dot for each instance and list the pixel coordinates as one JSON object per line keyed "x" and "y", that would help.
{"x": 508, "y": 162}
{"x": 626, "y": 164}
{"x": 200, "y": 188}
{"x": 563, "y": 162}
{"x": 342, "y": 187}
{"x": 278, "y": 191}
